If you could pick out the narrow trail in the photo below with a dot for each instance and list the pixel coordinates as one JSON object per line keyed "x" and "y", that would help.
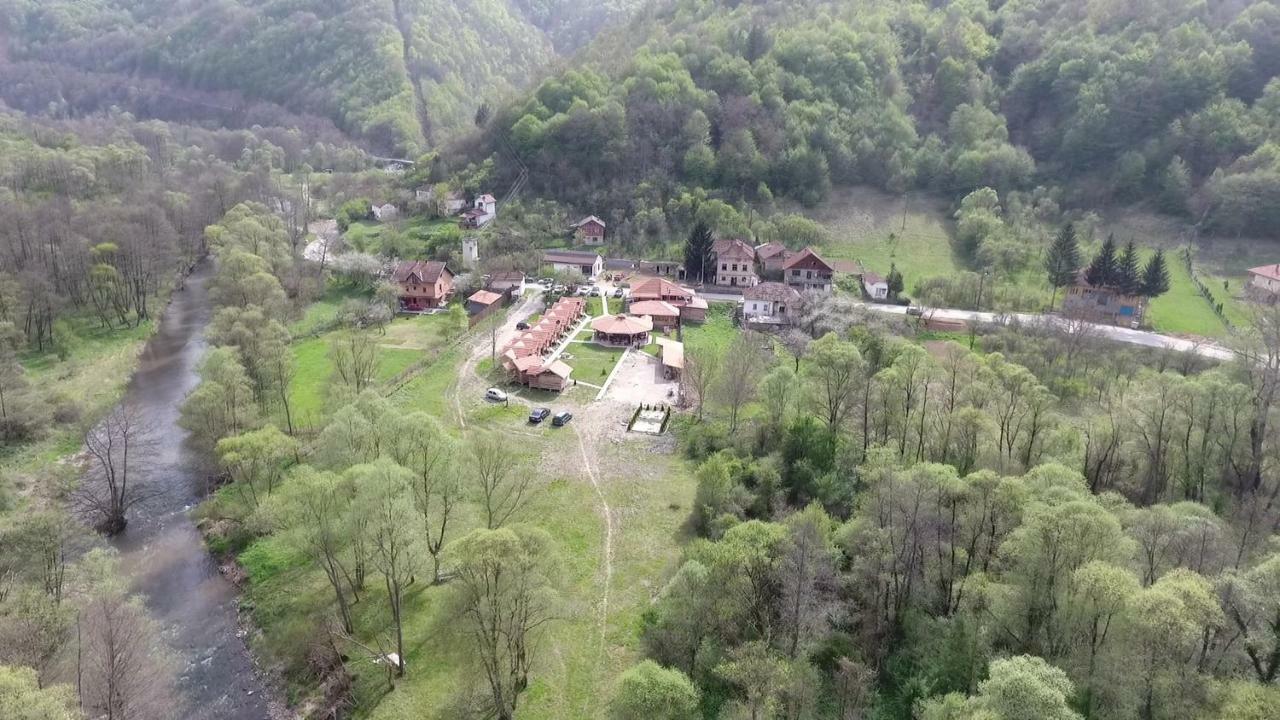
{"x": 589, "y": 465}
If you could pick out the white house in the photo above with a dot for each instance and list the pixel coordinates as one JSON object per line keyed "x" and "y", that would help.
{"x": 877, "y": 288}
{"x": 588, "y": 263}
{"x": 771, "y": 302}
{"x": 483, "y": 210}
{"x": 470, "y": 253}
{"x": 425, "y": 194}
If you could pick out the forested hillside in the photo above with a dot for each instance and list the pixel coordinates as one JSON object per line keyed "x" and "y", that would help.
{"x": 346, "y": 62}
{"x": 1170, "y": 102}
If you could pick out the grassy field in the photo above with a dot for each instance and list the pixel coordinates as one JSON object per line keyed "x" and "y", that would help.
{"x": 591, "y": 362}
{"x": 718, "y": 330}
{"x": 320, "y": 314}
{"x": 867, "y": 225}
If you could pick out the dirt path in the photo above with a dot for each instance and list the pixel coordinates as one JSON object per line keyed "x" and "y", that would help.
{"x": 467, "y": 377}
{"x": 590, "y": 466}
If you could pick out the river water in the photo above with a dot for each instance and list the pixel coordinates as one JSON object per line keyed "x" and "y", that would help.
{"x": 161, "y": 548}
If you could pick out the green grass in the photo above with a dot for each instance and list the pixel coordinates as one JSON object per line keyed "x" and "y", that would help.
{"x": 416, "y": 237}
{"x": 321, "y": 314}
{"x": 867, "y": 225}
{"x": 1183, "y": 310}
{"x": 717, "y": 332}
{"x": 591, "y": 362}
{"x": 597, "y": 306}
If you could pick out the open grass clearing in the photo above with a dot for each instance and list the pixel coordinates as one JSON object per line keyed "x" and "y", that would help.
{"x": 716, "y": 332}
{"x": 417, "y": 237}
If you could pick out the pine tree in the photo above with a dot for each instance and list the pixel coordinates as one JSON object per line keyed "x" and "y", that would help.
{"x": 1063, "y": 260}
{"x": 1128, "y": 278}
{"x": 894, "y": 281}
{"x": 1155, "y": 278}
{"x": 1102, "y": 270}
{"x": 698, "y": 262}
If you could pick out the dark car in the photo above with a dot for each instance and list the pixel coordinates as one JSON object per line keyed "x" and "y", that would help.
{"x": 539, "y": 414}
{"x": 522, "y": 325}
{"x": 562, "y": 418}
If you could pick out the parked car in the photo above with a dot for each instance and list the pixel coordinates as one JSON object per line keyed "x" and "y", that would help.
{"x": 548, "y": 281}
{"x": 562, "y": 418}
{"x": 539, "y": 414}
{"x": 915, "y": 311}
{"x": 559, "y": 289}
{"x": 522, "y": 325}
{"x": 619, "y": 293}
{"x": 595, "y": 292}
{"x": 495, "y": 394}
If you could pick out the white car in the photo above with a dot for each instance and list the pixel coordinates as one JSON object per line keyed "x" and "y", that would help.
{"x": 495, "y": 394}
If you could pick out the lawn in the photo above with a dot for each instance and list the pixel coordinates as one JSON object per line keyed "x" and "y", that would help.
{"x": 320, "y": 315}
{"x": 591, "y": 362}
{"x": 717, "y": 332}
{"x": 597, "y": 306}
{"x": 1183, "y": 310}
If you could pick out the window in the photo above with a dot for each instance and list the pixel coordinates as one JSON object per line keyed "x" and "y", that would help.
{"x": 808, "y": 274}
{"x": 724, "y": 266}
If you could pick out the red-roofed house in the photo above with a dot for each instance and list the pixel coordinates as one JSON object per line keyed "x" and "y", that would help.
{"x": 735, "y": 264}
{"x": 589, "y": 230}
{"x": 877, "y": 287}
{"x": 664, "y": 314}
{"x": 692, "y": 308}
{"x": 806, "y": 270}
{"x": 1264, "y": 284}
{"x": 424, "y": 285}
{"x": 483, "y": 210}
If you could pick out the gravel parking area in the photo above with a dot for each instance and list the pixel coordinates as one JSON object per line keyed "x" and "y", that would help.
{"x": 640, "y": 380}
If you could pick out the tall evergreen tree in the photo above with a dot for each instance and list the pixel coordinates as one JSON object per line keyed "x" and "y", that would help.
{"x": 1063, "y": 260}
{"x": 1155, "y": 277}
{"x": 894, "y": 281}
{"x": 1102, "y": 270}
{"x": 698, "y": 262}
{"x": 1128, "y": 277}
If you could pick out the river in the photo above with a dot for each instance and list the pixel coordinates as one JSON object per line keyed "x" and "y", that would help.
{"x": 161, "y": 548}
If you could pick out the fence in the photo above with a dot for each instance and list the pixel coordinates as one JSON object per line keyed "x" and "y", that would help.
{"x": 1205, "y": 292}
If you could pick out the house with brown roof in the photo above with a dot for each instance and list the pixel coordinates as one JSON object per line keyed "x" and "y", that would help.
{"x": 692, "y": 308}
{"x": 735, "y": 264}
{"x": 482, "y": 304}
{"x": 589, "y": 230}
{"x": 771, "y": 303}
{"x": 533, "y": 371}
{"x": 483, "y": 210}
{"x": 1101, "y": 303}
{"x": 1264, "y": 284}
{"x": 876, "y": 287}
{"x": 590, "y": 264}
{"x": 807, "y": 271}
{"x": 663, "y": 314}
{"x": 424, "y": 285}
{"x": 505, "y": 281}
{"x": 662, "y": 268}
{"x": 771, "y": 257}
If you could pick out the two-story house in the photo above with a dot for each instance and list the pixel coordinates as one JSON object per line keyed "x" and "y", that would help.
{"x": 735, "y": 264}
{"x": 1264, "y": 284}
{"x": 589, "y": 230}
{"x": 807, "y": 271}
{"x": 483, "y": 210}
{"x": 424, "y": 285}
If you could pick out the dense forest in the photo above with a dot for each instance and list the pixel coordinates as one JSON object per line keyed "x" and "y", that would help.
{"x": 1171, "y": 103}
{"x": 398, "y": 74}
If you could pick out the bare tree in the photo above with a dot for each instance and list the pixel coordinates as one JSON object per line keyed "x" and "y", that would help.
{"x": 701, "y": 368}
{"x": 422, "y": 446}
{"x": 355, "y": 358}
{"x": 739, "y": 377}
{"x": 501, "y": 486}
{"x": 120, "y": 446}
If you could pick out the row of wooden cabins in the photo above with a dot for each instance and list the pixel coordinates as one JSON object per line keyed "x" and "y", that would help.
{"x": 524, "y": 358}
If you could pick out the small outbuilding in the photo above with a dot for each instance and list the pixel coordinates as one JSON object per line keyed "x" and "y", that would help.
{"x": 622, "y": 330}
{"x": 663, "y": 314}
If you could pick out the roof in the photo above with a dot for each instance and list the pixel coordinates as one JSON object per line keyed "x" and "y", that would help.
{"x": 770, "y": 249}
{"x": 654, "y": 308}
{"x": 588, "y": 220}
{"x": 559, "y": 369}
{"x": 487, "y": 198}
{"x": 619, "y": 264}
{"x": 733, "y": 248}
{"x": 807, "y": 259}
{"x": 622, "y": 325}
{"x": 484, "y": 297}
{"x": 672, "y": 352}
{"x": 426, "y": 272}
{"x": 870, "y": 278}
{"x": 1270, "y": 272}
{"x": 697, "y": 303}
{"x": 850, "y": 267}
{"x": 570, "y": 256}
{"x": 507, "y": 276}
{"x": 771, "y": 291}
{"x": 527, "y": 363}
{"x": 659, "y": 288}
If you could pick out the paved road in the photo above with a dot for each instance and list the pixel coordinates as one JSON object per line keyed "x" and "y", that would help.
{"x": 1110, "y": 332}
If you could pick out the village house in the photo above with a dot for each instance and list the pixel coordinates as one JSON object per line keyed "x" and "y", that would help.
{"x": 663, "y": 314}
{"x": 662, "y": 268}
{"x": 876, "y": 287}
{"x": 424, "y": 285}
{"x": 505, "y": 281}
{"x": 807, "y": 271}
{"x": 1102, "y": 304}
{"x": 483, "y": 210}
{"x": 692, "y": 308}
{"x": 771, "y": 303}
{"x": 425, "y": 194}
{"x": 451, "y": 203}
{"x": 772, "y": 256}
{"x": 542, "y": 338}
{"x": 385, "y": 213}
{"x": 735, "y": 264}
{"x": 589, "y": 230}
{"x": 1264, "y": 284}
{"x": 588, "y": 263}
